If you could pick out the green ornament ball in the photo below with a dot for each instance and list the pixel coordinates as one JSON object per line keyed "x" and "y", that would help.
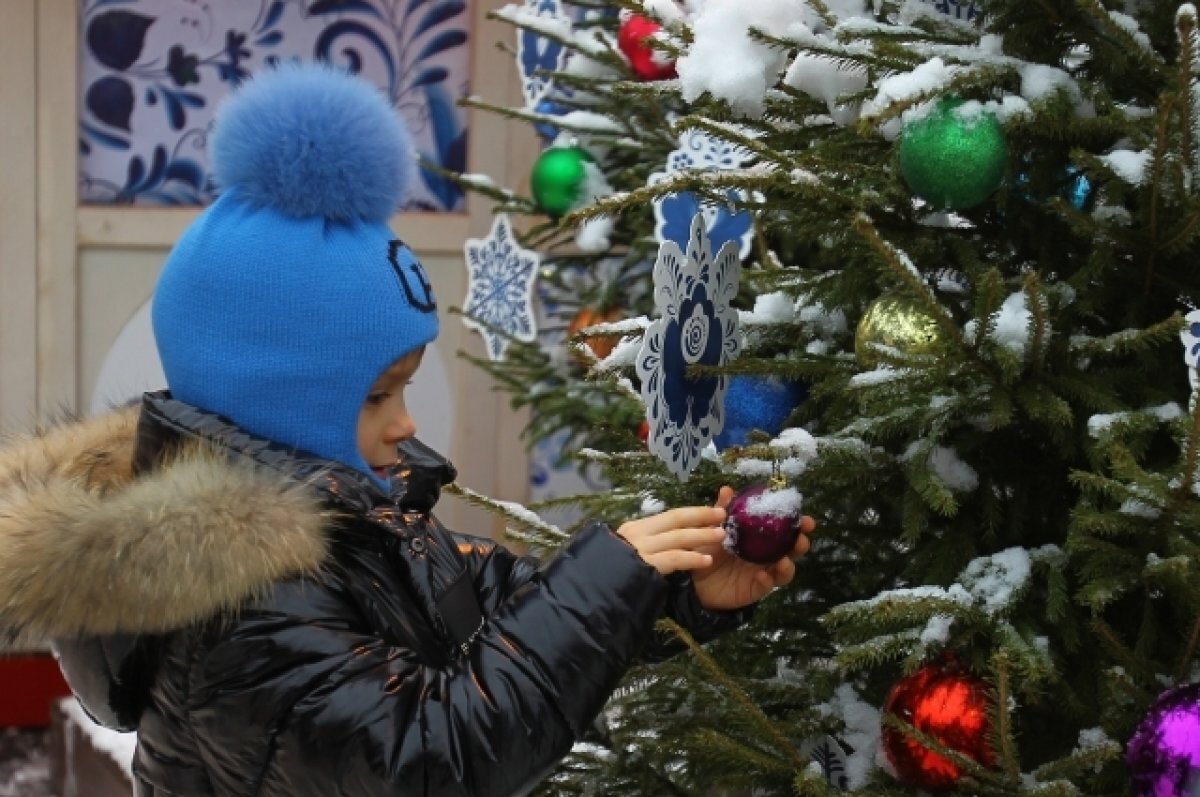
{"x": 558, "y": 178}
{"x": 953, "y": 160}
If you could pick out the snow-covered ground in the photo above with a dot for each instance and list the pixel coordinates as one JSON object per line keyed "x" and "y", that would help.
{"x": 24, "y": 763}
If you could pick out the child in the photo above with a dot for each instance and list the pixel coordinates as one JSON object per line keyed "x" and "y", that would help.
{"x": 245, "y": 569}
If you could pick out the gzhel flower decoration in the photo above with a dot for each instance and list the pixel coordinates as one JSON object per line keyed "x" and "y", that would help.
{"x": 673, "y": 213}
{"x": 697, "y": 327}
{"x": 1190, "y": 335}
{"x": 539, "y": 55}
{"x": 698, "y": 150}
{"x": 1191, "y": 339}
{"x": 673, "y": 216}
{"x": 499, "y": 303}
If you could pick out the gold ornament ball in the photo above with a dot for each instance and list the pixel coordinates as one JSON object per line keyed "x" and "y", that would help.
{"x": 898, "y": 323}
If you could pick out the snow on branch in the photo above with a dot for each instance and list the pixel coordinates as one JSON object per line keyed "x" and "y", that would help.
{"x": 523, "y": 517}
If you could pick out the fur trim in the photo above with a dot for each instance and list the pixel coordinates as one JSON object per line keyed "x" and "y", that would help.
{"x": 87, "y": 549}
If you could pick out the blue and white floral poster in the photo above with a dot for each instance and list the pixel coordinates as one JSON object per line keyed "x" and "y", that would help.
{"x": 153, "y": 71}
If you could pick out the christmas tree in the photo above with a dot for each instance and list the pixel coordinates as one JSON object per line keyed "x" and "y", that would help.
{"x": 927, "y": 270}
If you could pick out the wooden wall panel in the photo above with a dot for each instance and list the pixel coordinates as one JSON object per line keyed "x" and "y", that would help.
{"x": 18, "y": 219}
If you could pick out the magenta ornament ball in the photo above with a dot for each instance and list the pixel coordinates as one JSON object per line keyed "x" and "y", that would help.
{"x": 761, "y": 525}
{"x": 1164, "y": 753}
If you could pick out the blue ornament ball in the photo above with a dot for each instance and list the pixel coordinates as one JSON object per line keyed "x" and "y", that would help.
{"x": 1079, "y": 188}
{"x": 545, "y": 129}
{"x": 1074, "y": 187}
{"x": 757, "y": 402}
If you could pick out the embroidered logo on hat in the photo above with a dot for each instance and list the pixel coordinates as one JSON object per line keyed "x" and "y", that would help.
{"x": 422, "y": 298}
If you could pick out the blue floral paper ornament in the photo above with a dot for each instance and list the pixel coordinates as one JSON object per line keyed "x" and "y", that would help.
{"x": 673, "y": 213}
{"x": 499, "y": 303}
{"x": 829, "y": 755}
{"x": 756, "y": 401}
{"x": 1079, "y": 189}
{"x": 699, "y": 150}
{"x": 1190, "y": 335}
{"x": 539, "y": 55}
{"x": 698, "y": 326}
{"x": 547, "y": 130}
{"x": 673, "y": 216}
{"x": 965, "y": 10}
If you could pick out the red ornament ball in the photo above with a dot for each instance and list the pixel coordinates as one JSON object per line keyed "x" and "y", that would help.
{"x": 762, "y": 524}
{"x": 948, "y": 705}
{"x": 647, "y": 62}
{"x": 643, "y": 432}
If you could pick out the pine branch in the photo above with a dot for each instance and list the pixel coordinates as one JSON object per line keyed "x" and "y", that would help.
{"x": 1156, "y": 166}
{"x": 1128, "y": 342}
{"x": 595, "y": 130}
{"x": 1080, "y": 762}
{"x": 1121, "y": 37}
{"x": 1185, "y": 27}
{"x": 1040, "y": 322}
{"x": 1187, "y": 479}
{"x": 1189, "y": 653}
{"x": 750, "y": 709}
{"x": 510, "y": 510}
{"x": 1002, "y": 740}
{"x": 969, "y": 766}
{"x": 1121, "y": 652}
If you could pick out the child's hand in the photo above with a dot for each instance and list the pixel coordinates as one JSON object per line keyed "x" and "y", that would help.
{"x": 731, "y": 583}
{"x": 679, "y": 539}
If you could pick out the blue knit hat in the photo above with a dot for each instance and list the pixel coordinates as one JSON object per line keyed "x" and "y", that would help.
{"x": 289, "y": 296}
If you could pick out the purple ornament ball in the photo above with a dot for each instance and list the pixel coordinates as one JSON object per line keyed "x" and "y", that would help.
{"x": 1164, "y": 753}
{"x": 762, "y": 524}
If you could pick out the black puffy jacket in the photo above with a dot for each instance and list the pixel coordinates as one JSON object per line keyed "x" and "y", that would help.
{"x": 272, "y": 625}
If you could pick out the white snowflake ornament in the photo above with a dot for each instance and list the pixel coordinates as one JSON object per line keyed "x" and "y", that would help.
{"x": 697, "y": 326}
{"x": 500, "y": 277}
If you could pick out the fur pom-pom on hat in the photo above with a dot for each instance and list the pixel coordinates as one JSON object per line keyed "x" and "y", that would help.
{"x": 305, "y": 140}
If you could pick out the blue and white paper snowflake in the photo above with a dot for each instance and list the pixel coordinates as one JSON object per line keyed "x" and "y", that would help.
{"x": 538, "y": 55}
{"x": 1190, "y": 335}
{"x": 673, "y": 213}
{"x": 697, "y": 326}
{"x": 499, "y": 303}
{"x": 828, "y": 754}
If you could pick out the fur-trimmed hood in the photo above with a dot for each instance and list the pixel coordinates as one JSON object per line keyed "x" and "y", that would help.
{"x": 88, "y": 546}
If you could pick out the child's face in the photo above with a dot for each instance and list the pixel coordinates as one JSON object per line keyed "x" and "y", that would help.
{"x": 383, "y": 421}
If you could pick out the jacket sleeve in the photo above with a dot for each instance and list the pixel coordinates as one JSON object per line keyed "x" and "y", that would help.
{"x": 498, "y": 572}
{"x": 349, "y": 714}
{"x": 683, "y": 606}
